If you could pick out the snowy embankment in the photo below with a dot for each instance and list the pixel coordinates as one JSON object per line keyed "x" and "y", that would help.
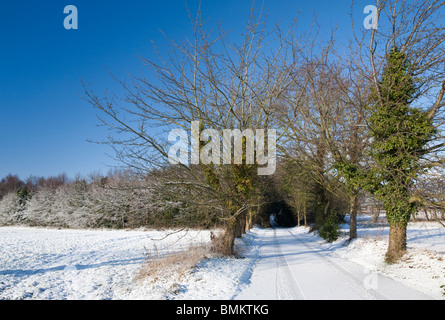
{"x": 422, "y": 267}
{"x": 101, "y": 264}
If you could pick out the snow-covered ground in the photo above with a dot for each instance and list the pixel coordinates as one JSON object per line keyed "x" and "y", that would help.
{"x": 38, "y": 263}
{"x": 83, "y": 264}
{"x": 423, "y": 267}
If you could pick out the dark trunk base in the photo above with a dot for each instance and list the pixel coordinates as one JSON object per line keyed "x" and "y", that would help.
{"x": 397, "y": 243}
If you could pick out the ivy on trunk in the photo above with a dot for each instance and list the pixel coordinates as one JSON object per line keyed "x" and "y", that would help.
{"x": 400, "y": 135}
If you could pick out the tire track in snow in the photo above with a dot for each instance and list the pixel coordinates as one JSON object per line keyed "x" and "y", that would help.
{"x": 287, "y": 287}
{"x": 354, "y": 282}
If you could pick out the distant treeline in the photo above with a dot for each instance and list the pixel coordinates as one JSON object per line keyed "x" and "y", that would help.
{"x": 118, "y": 200}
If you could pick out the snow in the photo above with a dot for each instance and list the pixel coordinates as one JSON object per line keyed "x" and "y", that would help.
{"x": 41, "y": 264}
{"x": 296, "y": 264}
{"x": 82, "y": 264}
{"x": 422, "y": 267}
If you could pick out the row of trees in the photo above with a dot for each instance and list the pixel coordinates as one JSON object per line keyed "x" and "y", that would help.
{"x": 118, "y": 200}
{"x": 13, "y": 184}
{"x": 366, "y": 116}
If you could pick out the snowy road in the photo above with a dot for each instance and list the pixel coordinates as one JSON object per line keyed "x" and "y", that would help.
{"x": 290, "y": 266}
{"x": 50, "y": 264}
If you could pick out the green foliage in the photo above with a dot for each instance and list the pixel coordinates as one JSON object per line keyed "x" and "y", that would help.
{"x": 353, "y": 176}
{"x": 24, "y": 195}
{"x": 330, "y": 230}
{"x": 400, "y": 134}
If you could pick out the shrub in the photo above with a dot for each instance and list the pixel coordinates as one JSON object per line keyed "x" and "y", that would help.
{"x": 11, "y": 210}
{"x": 174, "y": 265}
{"x": 330, "y": 230}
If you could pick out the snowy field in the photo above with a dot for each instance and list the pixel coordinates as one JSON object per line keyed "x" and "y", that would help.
{"x": 84, "y": 264}
{"x": 43, "y": 264}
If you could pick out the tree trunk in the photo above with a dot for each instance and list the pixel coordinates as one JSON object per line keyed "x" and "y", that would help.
{"x": 298, "y": 217}
{"x": 229, "y": 238}
{"x": 243, "y": 221}
{"x": 239, "y": 226}
{"x": 249, "y": 219}
{"x": 426, "y": 213}
{"x": 353, "y": 208}
{"x": 305, "y": 213}
{"x": 326, "y": 210}
{"x": 397, "y": 242}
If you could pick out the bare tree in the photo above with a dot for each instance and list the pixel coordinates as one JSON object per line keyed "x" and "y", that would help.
{"x": 11, "y": 183}
{"x": 215, "y": 82}
{"x": 430, "y": 193}
{"x": 323, "y": 121}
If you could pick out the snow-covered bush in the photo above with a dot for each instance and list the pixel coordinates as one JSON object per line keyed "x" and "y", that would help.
{"x": 72, "y": 205}
{"x": 40, "y": 210}
{"x": 12, "y": 209}
{"x": 120, "y": 200}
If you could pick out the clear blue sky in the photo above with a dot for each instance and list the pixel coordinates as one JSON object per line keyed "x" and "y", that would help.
{"x": 44, "y": 122}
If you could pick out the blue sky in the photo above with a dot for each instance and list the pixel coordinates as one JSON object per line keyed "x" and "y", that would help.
{"x": 44, "y": 122}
